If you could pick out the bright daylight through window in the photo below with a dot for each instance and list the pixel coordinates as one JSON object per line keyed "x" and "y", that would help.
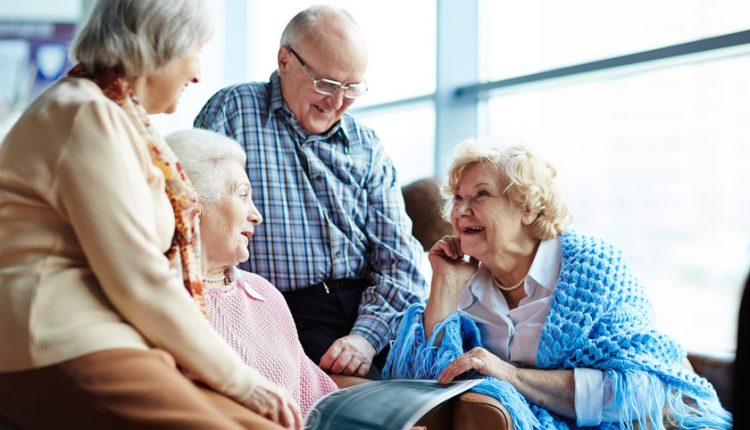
{"x": 654, "y": 156}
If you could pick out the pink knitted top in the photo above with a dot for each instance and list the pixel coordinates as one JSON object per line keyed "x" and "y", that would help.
{"x": 254, "y": 318}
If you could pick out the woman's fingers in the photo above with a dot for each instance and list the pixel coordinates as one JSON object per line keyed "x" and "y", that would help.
{"x": 456, "y": 245}
{"x": 290, "y": 416}
{"x": 457, "y": 367}
{"x": 454, "y": 248}
{"x": 448, "y": 246}
{"x": 285, "y": 412}
{"x": 472, "y": 360}
{"x": 273, "y": 413}
{"x": 276, "y": 404}
{"x": 442, "y": 247}
{"x": 298, "y": 420}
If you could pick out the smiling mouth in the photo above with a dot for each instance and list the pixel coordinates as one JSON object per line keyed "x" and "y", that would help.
{"x": 320, "y": 109}
{"x": 472, "y": 229}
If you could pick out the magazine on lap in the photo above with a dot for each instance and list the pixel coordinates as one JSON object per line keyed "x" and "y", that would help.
{"x": 387, "y": 404}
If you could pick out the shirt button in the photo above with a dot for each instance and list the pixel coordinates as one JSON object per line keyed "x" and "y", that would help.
{"x": 337, "y": 254}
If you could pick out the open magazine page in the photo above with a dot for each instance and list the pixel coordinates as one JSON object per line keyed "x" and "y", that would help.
{"x": 390, "y": 404}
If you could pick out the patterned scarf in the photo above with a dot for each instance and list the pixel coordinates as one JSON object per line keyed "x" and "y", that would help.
{"x": 185, "y": 249}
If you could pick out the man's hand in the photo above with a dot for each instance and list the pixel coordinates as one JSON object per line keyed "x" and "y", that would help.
{"x": 349, "y": 355}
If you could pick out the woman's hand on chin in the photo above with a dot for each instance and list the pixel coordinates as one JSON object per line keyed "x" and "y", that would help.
{"x": 450, "y": 274}
{"x": 449, "y": 267}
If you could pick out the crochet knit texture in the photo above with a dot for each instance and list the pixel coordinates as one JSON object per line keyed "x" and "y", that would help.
{"x": 263, "y": 333}
{"x": 599, "y": 318}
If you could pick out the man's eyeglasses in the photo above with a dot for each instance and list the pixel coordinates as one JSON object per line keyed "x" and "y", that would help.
{"x": 329, "y": 86}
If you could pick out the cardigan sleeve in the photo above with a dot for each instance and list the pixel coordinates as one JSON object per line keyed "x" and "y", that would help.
{"x": 107, "y": 189}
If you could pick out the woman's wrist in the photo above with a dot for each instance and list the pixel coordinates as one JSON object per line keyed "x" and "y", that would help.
{"x": 446, "y": 288}
{"x": 442, "y": 299}
{"x": 439, "y": 306}
{"x": 512, "y": 375}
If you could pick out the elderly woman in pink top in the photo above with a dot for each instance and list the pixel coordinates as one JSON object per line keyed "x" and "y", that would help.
{"x": 243, "y": 307}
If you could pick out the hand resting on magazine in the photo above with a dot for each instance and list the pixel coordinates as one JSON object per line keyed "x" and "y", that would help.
{"x": 551, "y": 389}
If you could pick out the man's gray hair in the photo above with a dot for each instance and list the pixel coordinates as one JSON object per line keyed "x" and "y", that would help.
{"x": 203, "y": 154}
{"x": 305, "y": 19}
{"x": 141, "y": 36}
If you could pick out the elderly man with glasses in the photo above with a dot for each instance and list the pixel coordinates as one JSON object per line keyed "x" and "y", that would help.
{"x": 336, "y": 239}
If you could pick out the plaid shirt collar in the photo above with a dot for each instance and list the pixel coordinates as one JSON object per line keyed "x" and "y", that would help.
{"x": 278, "y": 102}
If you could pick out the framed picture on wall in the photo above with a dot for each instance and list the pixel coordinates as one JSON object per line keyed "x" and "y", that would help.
{"x": 34, "y": 55}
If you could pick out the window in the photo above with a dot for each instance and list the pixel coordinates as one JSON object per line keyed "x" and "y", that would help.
{"x": 655, "y": 162}
{"x": 408, "y": 135}
{"x": 653, "y": 155}
{"x": 530, "y": 36}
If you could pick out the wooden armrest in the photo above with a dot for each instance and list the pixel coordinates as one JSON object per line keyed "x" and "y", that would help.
{"x": 439, "y": 418}
{"x": 478, "y": 411}
{"x": 469, "y": 411}
{"x": 343, "y": 381}
{"x": 719, "y": 370}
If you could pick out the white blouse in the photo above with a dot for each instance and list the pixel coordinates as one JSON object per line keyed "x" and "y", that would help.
{"x": 513, "y": 334}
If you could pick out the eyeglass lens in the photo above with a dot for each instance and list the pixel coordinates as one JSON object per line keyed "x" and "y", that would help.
{"x": 328, "y": 88}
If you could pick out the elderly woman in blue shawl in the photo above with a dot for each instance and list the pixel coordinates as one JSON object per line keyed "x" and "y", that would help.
{"x": 554, "y": 320}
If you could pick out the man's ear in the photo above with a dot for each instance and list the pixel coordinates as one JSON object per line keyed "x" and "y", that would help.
{"x": 283, "y": 58}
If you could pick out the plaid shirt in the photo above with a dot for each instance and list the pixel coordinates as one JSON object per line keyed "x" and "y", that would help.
{"x": 331, "y": 204}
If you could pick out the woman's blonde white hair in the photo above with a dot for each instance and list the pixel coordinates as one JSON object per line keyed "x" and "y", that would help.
{"x": 203, "y": 154}
{"x": 526, "y": 180}
{"x": 138, "y": 37}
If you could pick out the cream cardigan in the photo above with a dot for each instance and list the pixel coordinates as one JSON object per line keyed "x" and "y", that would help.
{"x": 84, "y": 222}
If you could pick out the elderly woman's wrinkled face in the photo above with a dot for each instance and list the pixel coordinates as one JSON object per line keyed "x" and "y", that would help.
{"x": 228, "y": 224}
{"x": 164, "y": 88}
{"x": 484, "y": 219}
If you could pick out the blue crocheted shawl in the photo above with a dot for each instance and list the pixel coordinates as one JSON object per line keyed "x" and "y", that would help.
{"x": 599, "y": 318}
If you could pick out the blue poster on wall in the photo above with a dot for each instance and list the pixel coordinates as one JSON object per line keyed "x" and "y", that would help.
{"x": 33, "y": 55}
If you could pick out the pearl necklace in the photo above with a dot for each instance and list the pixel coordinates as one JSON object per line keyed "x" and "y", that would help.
{"x": 504, "y": 288}
{"x": 220, "y": 279}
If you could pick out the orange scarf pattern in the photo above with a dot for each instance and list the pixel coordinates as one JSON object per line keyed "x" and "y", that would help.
{"x": 184, "y": 251}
